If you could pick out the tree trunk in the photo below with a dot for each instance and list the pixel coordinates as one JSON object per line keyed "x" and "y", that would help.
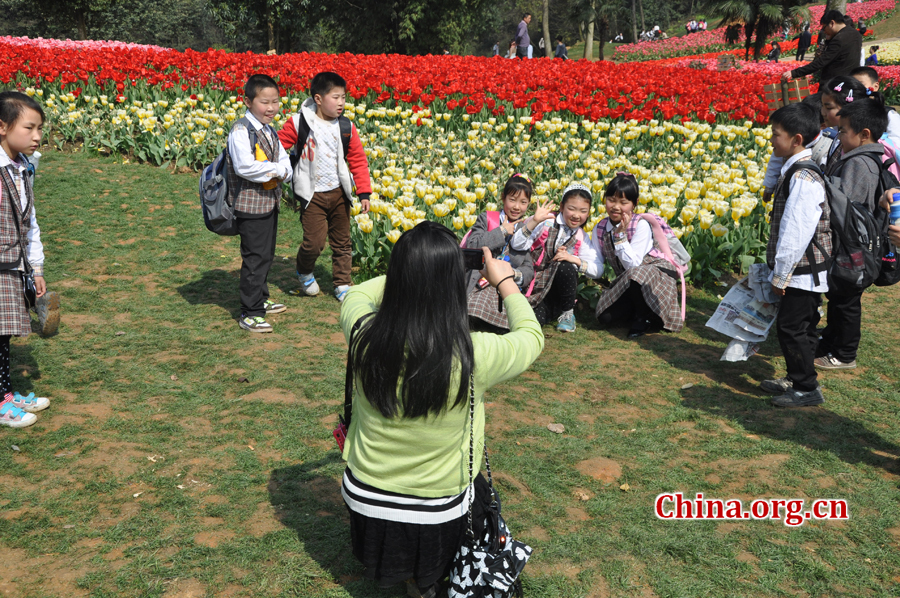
{"x": 82, "y": 25}
{"x": 634, "y": 22}
{"x": 840, "y": 5}
{"x": 270, "y": 27}
{"x": 589, "y": 39}
{"x": 546, "y": 27}
{"x": 643, "y": 24}
{"x": 602, "y": 32}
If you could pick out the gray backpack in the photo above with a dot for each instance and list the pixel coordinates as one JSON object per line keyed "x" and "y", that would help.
{"x": 218, "y": 211}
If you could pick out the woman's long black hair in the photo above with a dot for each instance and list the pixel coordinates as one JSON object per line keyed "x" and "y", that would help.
{"x": 420, "y": 334}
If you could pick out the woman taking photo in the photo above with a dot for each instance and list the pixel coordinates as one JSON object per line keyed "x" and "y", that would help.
{"x": 407, "y": 448}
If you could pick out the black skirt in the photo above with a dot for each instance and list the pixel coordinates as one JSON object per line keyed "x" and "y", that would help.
{"x": 393, "y": 552}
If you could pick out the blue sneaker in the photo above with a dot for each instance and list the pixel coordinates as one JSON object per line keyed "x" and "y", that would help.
{"x": 341, "y": 292}
{"x": 308, "y": 284}
{"x": 30, "y": 403}
{"x": 12, "y": 416}
{"x": 566, "y": 322}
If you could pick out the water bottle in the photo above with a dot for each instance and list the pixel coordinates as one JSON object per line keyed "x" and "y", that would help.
{"x": 895, "y": 209}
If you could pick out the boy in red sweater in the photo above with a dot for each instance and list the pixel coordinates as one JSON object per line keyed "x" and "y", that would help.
{"x": 330, "y": 160}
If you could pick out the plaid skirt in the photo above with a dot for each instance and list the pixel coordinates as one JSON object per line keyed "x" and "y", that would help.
{"x": 658, "y": 286}
{"x": 482, "y": 304}
{"x": 14, "y": 318}
{"x": 543, "y": 280}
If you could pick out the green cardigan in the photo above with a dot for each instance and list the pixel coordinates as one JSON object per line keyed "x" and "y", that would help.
{"x": 428, "y": 456}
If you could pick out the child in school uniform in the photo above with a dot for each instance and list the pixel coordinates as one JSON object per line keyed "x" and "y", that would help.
{"x": 560, "y": 251}
{"x": 801, "y": 228}
{"x": 257, "y": 165}
{"x": 645, "y": 293}
{"x": 495, "y": 230}
{"x": 330, "y": 160}
{"x": 21, "y": 127}
{"x": 862, "y": 124}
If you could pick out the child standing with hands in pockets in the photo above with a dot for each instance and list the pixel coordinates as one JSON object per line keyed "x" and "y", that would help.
{"x": 256, "y": 167}
{"x": 560, "y": 252}
{"x": 21, "y": 251}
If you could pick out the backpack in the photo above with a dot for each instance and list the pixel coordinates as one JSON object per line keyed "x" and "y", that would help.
{"x": 857, "y": 236}
{"x": 303, "y": 134}
{"x": 493, "y": 221}
{"x": 215, "y": 203}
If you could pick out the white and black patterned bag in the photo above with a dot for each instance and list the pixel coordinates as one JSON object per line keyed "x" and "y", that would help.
{"x": 488, "y": 566}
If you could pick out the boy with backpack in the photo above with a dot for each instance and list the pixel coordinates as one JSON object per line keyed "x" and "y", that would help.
{"x": 256, "y": 166}
{"x": 862, "y": 124}
{"x": 326, "y": 143}
{"x": 798, "y": 252}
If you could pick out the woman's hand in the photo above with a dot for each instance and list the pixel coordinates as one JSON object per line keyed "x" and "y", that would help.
{"x": 563, "y": 255}
{"x": 499, "y": 272}
{"x": 544, "y": 212}
{"x": 40, "y": 286}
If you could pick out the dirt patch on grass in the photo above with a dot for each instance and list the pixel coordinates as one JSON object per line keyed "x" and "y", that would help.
{"x": 271, "y": 396}
{"x": 185, "y": 588}
{"x": 601, "y": 469}
{"x": 263, "y": 521}
{"x": 212, "y": 539}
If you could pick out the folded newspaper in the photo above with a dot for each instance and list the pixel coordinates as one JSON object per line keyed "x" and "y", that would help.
{"x": 746, "y": 314}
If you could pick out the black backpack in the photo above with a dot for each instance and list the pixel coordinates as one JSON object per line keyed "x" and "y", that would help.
{"x": 857, "y": 237}
{"x": 303, "y": 134}
{"x": 889, "y": 274}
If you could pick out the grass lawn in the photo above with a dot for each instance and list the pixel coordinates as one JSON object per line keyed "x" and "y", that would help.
{"x": 184, "y": 457}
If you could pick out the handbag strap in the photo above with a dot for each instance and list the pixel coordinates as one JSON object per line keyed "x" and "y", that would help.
{"x": 348, "y": 380}
{"x": 470, "y": 532}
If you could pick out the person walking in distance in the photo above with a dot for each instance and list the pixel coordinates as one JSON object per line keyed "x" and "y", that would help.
{"x": 522, "y": 38}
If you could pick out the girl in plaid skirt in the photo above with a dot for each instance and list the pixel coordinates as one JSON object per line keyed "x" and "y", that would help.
{"x": 21, "y": 127}
{"x": 645, "y": 293}
{"x": 494, "y": 230}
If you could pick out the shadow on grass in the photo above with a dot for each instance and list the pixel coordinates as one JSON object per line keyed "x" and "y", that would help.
{"x": 23, "y": 367}
{"x": 814, "y": 427}
{"x": 214, "y": 287}
{"x": 309, "y": 502}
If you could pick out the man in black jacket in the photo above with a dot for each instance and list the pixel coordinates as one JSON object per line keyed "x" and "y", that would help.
{"x": 843, "y": 50}
{"x": 805, "y": 39}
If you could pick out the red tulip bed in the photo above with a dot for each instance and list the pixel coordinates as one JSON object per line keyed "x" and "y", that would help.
{"x": 442, "y": 133}
{"x": 714, "y": 39}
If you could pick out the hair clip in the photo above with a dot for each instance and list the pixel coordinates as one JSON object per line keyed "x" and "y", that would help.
{"x": 849, "y": 97}
{"x": 522, "y": 175}
{"x": 869, "y": 91}
{"x": 623, "y": 173}
{"x": 839, "y": 86}
{"x": 578, "y": 187}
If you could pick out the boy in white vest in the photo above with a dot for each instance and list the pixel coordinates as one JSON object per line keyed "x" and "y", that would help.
{"x": 329, "y": 160}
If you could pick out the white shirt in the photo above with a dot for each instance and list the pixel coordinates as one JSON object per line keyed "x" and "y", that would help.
{"x": 798, "y": 225}
{"x": 243, "y": 157}
{"x": 630, "y": 253}
{"x": 593, "y": 267}
{"x": 35, "y": 247}
{"x": 328, "y": 137}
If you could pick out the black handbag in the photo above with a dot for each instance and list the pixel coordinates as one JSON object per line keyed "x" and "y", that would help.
{"x": 487, "y": 566}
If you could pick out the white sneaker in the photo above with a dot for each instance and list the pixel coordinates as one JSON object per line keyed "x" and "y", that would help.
{"x": 341, "y": 292}
{"x": 12, "y": 416}
{"x": 308, "y": 284}
{"x": 30, "y": 403}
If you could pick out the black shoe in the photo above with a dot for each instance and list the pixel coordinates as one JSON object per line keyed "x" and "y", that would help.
{"x": 799, "y": 398}
{"x": 639, "y": 328}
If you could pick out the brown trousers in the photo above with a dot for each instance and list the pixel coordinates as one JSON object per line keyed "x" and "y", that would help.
{"x": 327, "y": 214}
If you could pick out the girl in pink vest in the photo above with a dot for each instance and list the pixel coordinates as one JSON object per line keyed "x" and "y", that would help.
{"x": 560, "y": 252}
{"x": 494, "y": 230}
{"x": 645, "y": 292}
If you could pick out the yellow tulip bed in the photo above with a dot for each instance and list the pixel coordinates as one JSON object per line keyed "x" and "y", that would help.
{"x": 705, "y": 179}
